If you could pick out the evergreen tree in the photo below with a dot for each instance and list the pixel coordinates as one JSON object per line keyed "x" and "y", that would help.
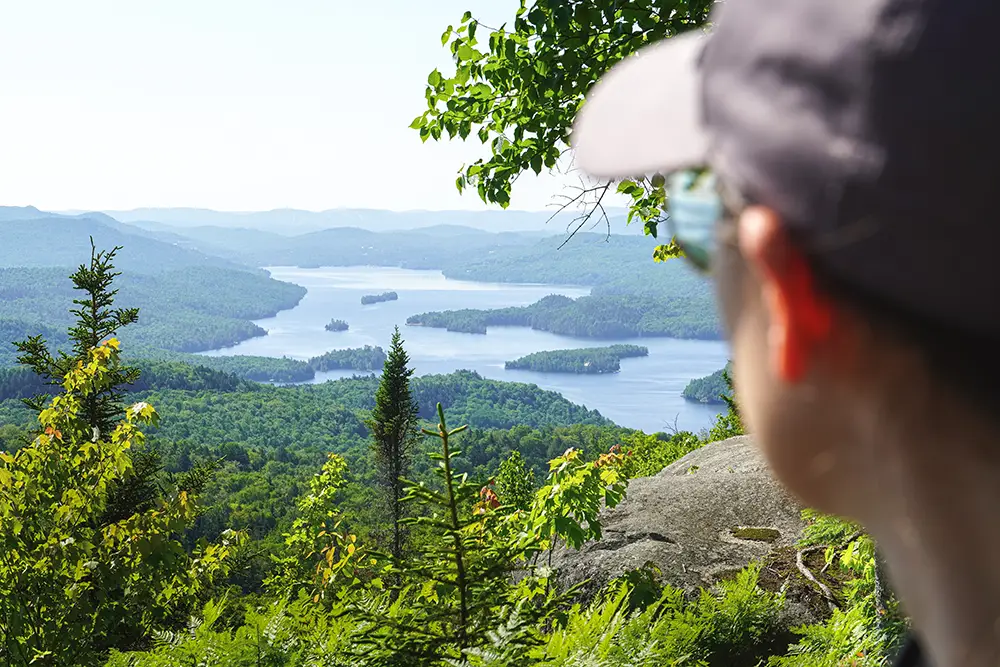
{"x": 97, "y": 320}
{"x": 394, "y": 427}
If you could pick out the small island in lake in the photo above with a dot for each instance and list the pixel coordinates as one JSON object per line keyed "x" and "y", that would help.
{"x": 582, "y": 361}
{"x": 337, "y": 325}
{"x": 378, "y": 298}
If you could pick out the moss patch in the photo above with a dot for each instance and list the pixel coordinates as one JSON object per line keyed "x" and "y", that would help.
{"x": 755, "y": 533}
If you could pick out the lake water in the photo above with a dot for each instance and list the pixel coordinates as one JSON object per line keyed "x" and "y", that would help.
{"x": 646, "y": 394}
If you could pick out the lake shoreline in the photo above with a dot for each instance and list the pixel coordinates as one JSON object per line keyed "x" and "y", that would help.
{"x": 645, "y": 393}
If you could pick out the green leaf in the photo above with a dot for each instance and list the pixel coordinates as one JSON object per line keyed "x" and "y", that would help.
{"x": 537, "y": 72}
{"x": 466, "y": 52}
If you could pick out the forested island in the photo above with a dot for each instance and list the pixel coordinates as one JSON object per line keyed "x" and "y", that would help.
{"x": 378, "y": 298}
{"x": 589, "y": 360}
{"x": 709, "y": 389}
{"x": 336, "y": 325}
{"x": 601, "y": 317}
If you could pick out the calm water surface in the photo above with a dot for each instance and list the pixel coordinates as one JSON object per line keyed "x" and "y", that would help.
{"x": 646, "y": 393}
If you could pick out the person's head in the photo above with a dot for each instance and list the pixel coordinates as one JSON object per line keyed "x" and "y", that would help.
{"x": 853, "y": 156}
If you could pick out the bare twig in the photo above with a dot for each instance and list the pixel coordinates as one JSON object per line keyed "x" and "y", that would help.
{"x": 591, "y": 210}
{"x": 672, "y": 429}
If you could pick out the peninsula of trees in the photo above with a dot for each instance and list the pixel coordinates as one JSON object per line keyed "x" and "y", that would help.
{"x": 588, "y": 360}
{"x": 709, "y": 389}
{"x": 606, "y": 317}
{"x": 378, "y": 298}
{"x": 336, "y": 325}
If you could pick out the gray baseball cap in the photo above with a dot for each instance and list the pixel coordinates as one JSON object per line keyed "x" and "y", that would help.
{"x": 871, "y": 126}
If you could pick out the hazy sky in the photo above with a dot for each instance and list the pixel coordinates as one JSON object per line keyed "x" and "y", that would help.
{"x": 230, "y": 104}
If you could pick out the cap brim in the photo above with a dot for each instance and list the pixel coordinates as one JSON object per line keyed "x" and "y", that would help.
{"x": 644, "y": 115}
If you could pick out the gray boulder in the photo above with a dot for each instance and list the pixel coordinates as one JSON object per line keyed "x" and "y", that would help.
{"x": 705, "y": 516}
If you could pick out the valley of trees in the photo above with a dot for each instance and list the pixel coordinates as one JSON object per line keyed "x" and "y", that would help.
{"x": 189, "y": 310}
{"x": 581, "y": 361}
{"x": 600, "y": 317}
{"x": 242, "y": 524}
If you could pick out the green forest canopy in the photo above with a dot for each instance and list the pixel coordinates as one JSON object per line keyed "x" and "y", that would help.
{"x": 197, "y": 308}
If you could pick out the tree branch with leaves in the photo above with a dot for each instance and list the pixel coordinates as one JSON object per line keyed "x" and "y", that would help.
{"x": 519, "y": 88}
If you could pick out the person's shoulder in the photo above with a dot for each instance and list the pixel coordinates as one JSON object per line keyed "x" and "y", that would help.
{"x": 911, "y": 655}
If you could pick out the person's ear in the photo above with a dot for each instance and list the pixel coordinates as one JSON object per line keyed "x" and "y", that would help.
{"x": 799, "y": 317}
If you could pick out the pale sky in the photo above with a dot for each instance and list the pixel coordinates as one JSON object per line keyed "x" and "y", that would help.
{"x": 233, "y": 105}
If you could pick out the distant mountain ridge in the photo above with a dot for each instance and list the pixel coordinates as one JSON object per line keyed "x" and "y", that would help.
{"x": 33, "y": 238}
{"x": 295, "y": 221}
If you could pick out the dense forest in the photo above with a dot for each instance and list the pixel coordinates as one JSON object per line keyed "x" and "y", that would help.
{"x": 368, "y": 299}
{"x": 297, "y": 580}
{"x": 198, "y": 308}
{"x": 600, "y": 317}
{"x": 196, "y": 372}
{"x": 337, "y": 325}
{"x": 583, "y": 361}
{"x": 367, "y": 358}
{"x": 279, "y": 370}
{"x": 711, "y": 388}
{"x": 269, "y": 441}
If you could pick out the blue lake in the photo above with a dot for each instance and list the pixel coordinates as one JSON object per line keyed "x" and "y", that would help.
{"x": 646, "y": 394}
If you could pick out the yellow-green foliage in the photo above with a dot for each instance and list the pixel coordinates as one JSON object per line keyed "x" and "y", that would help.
{"x": 318, "y": 553}
{"x": 648, "y": 454}
{"x": 70, "y": 586}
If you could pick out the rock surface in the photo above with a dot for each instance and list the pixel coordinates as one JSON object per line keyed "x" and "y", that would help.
{"x": 683, "y": 520}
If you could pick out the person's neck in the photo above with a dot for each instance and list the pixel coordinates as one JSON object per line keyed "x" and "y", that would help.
{"x": 934, "y": 519}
